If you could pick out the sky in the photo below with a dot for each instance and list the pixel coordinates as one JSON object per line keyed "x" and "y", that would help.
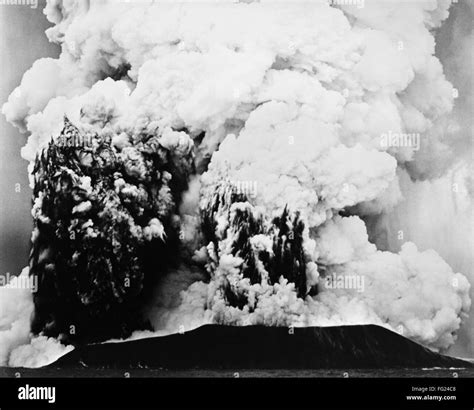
{"x": 22, "y": 41}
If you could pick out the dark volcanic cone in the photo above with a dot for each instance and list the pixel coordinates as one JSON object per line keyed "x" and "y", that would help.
{"x": 261, "y": 347}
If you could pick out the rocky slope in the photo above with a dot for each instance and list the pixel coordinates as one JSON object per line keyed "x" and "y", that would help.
{"x": 250, "y": 347}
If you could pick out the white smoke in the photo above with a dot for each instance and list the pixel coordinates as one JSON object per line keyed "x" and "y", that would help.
{"x": 431, "y": 216}
{"x": 17, "y": 346}
{"x": 16, "y": 307}
{"x": 295, "y": 97}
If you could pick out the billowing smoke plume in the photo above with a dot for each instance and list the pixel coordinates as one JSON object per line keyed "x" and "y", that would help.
{"x": 17, "y": 348}
{"x": 305, "y": 121}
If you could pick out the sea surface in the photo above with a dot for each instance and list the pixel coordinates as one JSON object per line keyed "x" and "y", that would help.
{"x": 90, "y": 372}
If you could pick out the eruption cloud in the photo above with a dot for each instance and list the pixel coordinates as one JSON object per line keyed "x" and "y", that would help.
{"x": 309, "y": 123}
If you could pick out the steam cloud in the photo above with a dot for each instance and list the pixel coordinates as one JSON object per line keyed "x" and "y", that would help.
{"x": 292, "y": 97}
{"x": 17, "y": 347}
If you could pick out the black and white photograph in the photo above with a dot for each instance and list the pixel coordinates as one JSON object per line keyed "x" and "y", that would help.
{"x": 236, "y": 204}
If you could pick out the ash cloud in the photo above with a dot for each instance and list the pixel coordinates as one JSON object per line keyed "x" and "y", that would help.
{"x": 295, "y": 100}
